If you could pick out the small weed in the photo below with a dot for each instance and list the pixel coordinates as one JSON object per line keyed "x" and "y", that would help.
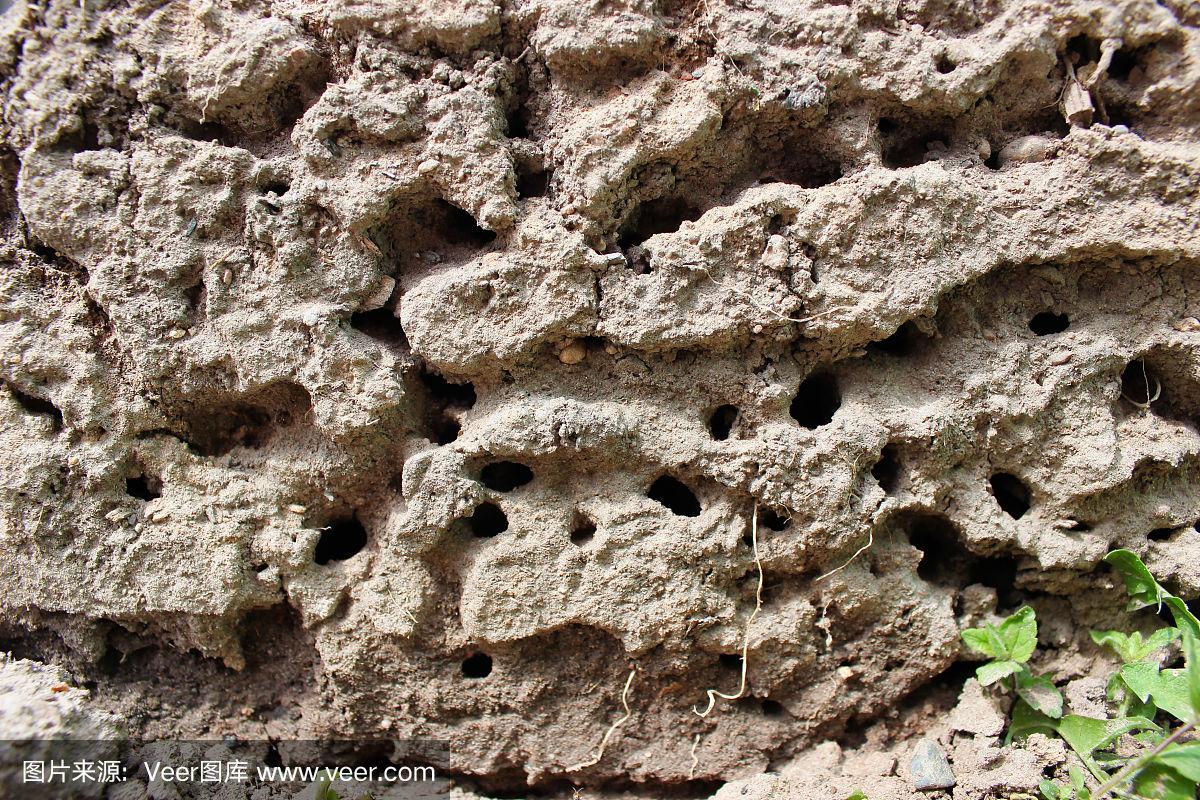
{"x": 1167, "y": 768}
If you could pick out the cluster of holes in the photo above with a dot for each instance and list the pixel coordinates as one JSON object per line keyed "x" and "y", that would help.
{"x": 816, "y": 401}
{"x": 1011, "y": 494}
{"x": 1047, "y": 323}
{"x": 504, "y": 476}
{"x": 945, "y": 562}
{"x": 339, "y": 540}
{"x": 675, "y": 495}
{"x": 445, "y": 401}
{"x": 720, "y": 422}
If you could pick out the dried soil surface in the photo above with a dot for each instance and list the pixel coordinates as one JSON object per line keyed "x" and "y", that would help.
{"x": 414, "y": 369}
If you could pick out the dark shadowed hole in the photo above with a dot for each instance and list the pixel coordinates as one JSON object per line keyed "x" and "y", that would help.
{"x": 663, "y": 215}
{"x": 1160, "y": 534}
{"x": 887, "y": 469}
{"x": 1140, "y": 385}
{"x": 504, "y": 476}
{"x": 36, "y": 405}
{"x": 1123, "y": 62}
{"x": 341, "y": 540}
{"x": 477, "y": 665}
{"x": 816, "y": 401}
{"x": 208, "y": 132}
{"x": 1011, "y": 494}
{"x": 905, "y": 341}
{"x": 945, "y": 65}
{"x": 902, "y": 147}
{"x": 1047, "y": 322}
{"x": 730, "y": 661}
{"x": 583, "y": 530}
{"x": 533, "y": 182}
{"x": 998, "y": 572}
{"x": 1084, "y": 49}
{"x": 459, "y": 395}
{"x": 942, "y": 557}
{"x": 487, "y": 521}
{"x": 143, "y": 488}
{"x": 382, "y": 325}
{"x": 773, "y": 519}
{"x": 721, "y": 421}
{"x": 459, "y": 227}
{"x": 675, "y": 495}
{"x": 772, "y": 708}
{"x": 443, "y": 396}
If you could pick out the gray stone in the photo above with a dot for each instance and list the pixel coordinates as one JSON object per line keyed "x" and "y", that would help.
{"x": 929, "y": 768}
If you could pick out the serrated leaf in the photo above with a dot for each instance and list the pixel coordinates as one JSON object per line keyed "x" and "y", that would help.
{"x": 1183, "y": 758}
{"x": 1158, "y": 782}
{"x": 1140, "y": 584}
{"x": 978, "y": 640}
{"x": 1191, "y": 654}
{"x": 1019, "y": 634}
{"x": 1087, "y": 735}
{"x": 994, "y": 671}
{"x": 1041, "y": 694}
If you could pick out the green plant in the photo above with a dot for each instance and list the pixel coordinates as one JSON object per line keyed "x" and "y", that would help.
{"x": 1168, "y": 768}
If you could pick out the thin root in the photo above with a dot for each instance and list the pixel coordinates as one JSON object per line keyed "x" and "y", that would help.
{"x": 1149, "y": 398}
{"x": 695, "y": 760}
{"x": 857, "y": 553}
{"x": 713, "y": 694}
{"x": 613, "y": 728}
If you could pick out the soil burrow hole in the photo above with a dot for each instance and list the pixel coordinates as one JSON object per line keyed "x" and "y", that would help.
{"x": 1160, "y": 534}
{"x": 487, "y": 521}
{"x": 772, "y": 708}
{"x": 504, "y": 476}
{"x": 533, "y": 182}
{"x": 673, "y": 494}
{"x": 583, "y": 530}
{"x": 1139, "y": 384}
{"x": 905, "y": 341}
{"x": 816, "y": 401}
{"x": 773, "y": 519}
{"x": 887, "y": 469}
{"x": 720, "y": 423}
{"x": 1011, "y": 494}
{"x": 340, "y": 540}
{"x": 1047, "y": 322}
{"x": 143, "y": 487}
{"x": 477, "y": 665}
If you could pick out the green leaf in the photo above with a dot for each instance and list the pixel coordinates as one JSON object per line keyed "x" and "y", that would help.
{"x": 1019, "y": 634}
{"x": 1140, "y": 584}
{"x": 978, "y": 640}
{"x": 1140, "y": 677}
{"x": 1027, "y": 721}
{"x": 1183, "y": 758}
{"x": 857, "y": 794}
{"x": 1087, "y": 735}
{"x": 1077, "y": 782}
{"x": 1041, "y": 694}
{"x": 1052, "y": 791}
{"x": 1158, "y": 640}
{"x": 1121, "y": 643}
{"x": 1168, "y": 689}
{"x": 1184, "y": 618}
{"x": 1191, "y": 654}
{"x": 1158, "y": 782}
{"x": 994, "y": 671}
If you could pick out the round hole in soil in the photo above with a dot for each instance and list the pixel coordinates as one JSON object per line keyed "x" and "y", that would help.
{"x": 488, "y": 520}
{"x": 341, "y": 540}
{"x": 887, "y": 469}
{"x": 675, "y": 495}
{"x": 504, "y": 476}
{"x": 1011, "y": 494}
{"x": 772, "y": 708}
{"x": 773, "y": 519}
{"x": 1047, "y": 323}
{"x": 816, "y": 401}
{"x": 477, "y": 665}
{"x": 721, "y": 422}
{"x": 730, "y": 661}
{"x": 583, "y": 530}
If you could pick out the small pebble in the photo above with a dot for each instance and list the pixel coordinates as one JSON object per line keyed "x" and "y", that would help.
{"x": 176, "y": 333}
{"x": 428, "y": 165}
{"x": 227, "y": 277}
{"x": 929, "y": 768}
{"x": 573, "y": 353}
{"x": 296, "y": 508}
{"x": 568, "y": 209}
{"x": 1120, "y": 129}
{"x": 1058, "y": 359}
